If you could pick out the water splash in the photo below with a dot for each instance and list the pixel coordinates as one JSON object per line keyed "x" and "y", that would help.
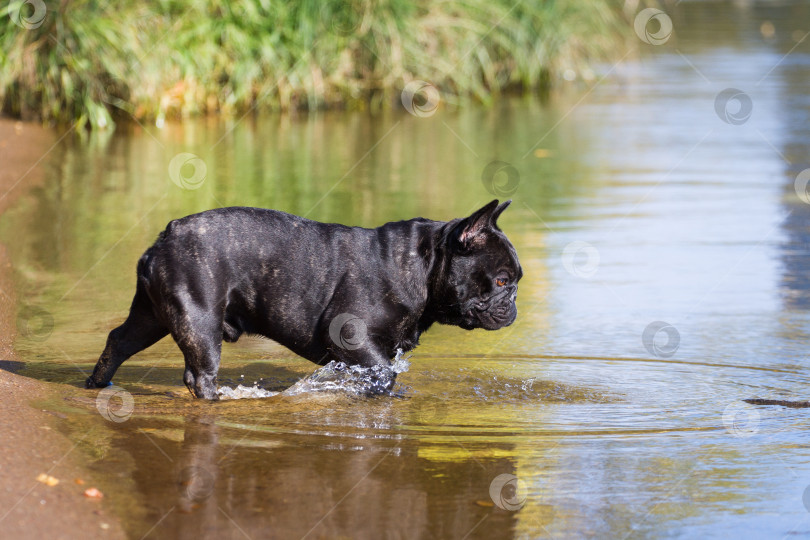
{"x": 333, "y": 377}
{"x": 340, "y": 377}
{"x": 244, "y": 392}
{"x": 401, "y": 363}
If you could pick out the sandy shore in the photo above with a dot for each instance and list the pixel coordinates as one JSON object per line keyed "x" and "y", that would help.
{"x": 30, "y": 444}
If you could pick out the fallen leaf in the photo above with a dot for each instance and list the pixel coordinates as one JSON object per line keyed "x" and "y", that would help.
{"x": 485, "y": 504}
{"x": 93, "y": 493}
{"x": 47, "y": 479}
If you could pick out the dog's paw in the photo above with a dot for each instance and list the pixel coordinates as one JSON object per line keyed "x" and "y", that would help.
{"x": 90, "y": 383}
{"x": 206, "y": 392}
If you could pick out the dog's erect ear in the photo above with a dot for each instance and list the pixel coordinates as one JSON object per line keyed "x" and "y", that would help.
{"x": 497, "y": 213}
{"x": 470, "y": 229}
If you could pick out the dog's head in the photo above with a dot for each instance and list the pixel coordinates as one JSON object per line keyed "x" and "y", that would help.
{"x": 478, "y": 286}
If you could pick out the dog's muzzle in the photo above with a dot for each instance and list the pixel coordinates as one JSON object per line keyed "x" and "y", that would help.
{"x": 494, "y": 312}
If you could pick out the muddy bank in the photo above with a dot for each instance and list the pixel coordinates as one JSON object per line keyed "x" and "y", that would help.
{"x": 30, "y": 444}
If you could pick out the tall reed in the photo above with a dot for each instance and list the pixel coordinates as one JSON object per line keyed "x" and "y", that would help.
{"x": 88, "y": 61}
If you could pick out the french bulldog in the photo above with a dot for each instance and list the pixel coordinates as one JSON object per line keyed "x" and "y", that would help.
{"x": 325, "y": 291}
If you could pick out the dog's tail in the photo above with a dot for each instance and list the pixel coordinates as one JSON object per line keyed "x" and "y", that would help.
{"x": 165, "y": 232}
{"x": 144, "y": 269}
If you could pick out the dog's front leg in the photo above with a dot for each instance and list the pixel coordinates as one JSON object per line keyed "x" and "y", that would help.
{"x": 378, "y": 364}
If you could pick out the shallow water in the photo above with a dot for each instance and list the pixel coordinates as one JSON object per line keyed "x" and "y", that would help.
{"x": 635, "y": 204}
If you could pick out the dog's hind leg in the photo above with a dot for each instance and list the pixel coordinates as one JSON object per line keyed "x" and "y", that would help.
{"x": 141, "y": 330}
{"x": 199, "y": 336}
{"x": 202, "y": 354}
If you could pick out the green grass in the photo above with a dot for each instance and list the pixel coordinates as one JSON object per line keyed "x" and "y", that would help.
{"x": 90, "y": 62}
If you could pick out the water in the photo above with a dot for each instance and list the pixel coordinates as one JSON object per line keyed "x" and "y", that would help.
{"x": 635, "y": 204}
{"x": 333, "y": 377}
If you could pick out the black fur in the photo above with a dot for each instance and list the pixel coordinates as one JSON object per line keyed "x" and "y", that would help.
{"x": 325, "y": 291}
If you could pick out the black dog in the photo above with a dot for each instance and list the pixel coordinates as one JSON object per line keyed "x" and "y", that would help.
{"x": 325, "y": 291}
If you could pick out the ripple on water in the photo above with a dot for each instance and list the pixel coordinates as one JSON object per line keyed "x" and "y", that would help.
{"x": 451, "y": 398}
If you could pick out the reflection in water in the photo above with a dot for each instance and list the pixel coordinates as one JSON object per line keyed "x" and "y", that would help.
{"x": 635, "y": 203}
{"x": 199, "y": 478}
{"x": 791, "y": 87}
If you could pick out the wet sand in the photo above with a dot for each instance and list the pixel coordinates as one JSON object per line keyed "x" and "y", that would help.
{"x": 30, "y": 443}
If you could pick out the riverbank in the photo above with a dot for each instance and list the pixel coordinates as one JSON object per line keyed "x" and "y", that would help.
{"x": 31, "y": 446}
{"x": 80, "y": 62}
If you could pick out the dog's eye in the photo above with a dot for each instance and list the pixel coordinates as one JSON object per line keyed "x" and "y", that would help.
{"x": 500, "y": 282}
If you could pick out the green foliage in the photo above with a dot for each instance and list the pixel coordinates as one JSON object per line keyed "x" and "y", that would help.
{"x": 88, "y": 61}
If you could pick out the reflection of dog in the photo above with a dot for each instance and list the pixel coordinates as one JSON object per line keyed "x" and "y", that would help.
{"x": 213, "y": 276}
